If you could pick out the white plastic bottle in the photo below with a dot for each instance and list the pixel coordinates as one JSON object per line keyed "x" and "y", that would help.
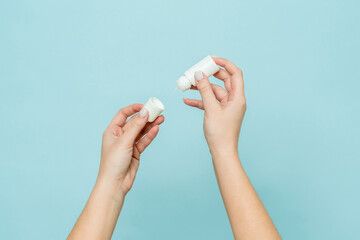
{"x": 154, "y": 107}
{"x": 207, "y": 66}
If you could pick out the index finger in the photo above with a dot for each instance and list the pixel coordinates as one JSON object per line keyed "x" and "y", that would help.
{"x": 120, "y": 118}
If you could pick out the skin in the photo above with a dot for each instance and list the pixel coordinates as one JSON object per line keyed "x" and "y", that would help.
{"x": 124, "y": 141}
{"x": 224, "y": 113}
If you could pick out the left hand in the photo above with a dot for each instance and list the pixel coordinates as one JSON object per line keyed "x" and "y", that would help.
{"x": 123, "y": 142}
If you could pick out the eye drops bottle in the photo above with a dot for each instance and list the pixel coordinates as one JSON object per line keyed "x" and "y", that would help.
{"x": 207, "y": 66}
{"x": 154, "y": 107}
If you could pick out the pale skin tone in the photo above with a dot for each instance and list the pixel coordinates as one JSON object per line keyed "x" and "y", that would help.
{"x": 124, "y": 141}
{"x": 223, "y": 116}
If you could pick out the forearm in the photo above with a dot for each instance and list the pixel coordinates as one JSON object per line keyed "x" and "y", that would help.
{"x": 99, "y": 217}
{"x": 123, "y": 142}
{"x": 248, "y": 216}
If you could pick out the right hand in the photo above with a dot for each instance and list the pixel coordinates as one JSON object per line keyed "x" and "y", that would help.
{"x": 123, "y": 143}
{"x": 224, "y": 108}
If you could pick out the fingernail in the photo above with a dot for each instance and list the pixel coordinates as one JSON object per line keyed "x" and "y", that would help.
{"x": 143, "y": 112}
{"x": 199, "y": 75}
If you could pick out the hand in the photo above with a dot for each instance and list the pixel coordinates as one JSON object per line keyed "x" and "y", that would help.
{"x": 123, "y": 142}
{"x": 224, "y": 113}
{"x": 224, "y": 109}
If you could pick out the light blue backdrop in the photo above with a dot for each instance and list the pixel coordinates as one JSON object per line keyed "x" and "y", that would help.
{"x": 66, "y": 67}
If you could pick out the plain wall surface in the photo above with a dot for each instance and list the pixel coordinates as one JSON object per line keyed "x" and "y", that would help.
{"x": 66, "y": 67}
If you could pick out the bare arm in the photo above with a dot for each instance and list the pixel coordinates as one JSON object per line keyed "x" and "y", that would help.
{"x": 99, "y": 217}
{"x": 224, "y": 113}
{"x": 123, "y": 142}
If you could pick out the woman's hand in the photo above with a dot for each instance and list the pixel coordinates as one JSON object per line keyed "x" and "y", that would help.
{"x": 123, "y": 143}
{"x": 224, "y": 109}
{"x": 224, "y": 113}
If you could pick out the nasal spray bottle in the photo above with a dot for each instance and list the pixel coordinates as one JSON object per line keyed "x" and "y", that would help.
{"x": 207, "y": 66}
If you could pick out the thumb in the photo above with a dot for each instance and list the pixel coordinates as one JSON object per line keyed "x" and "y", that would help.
{"x": 205, "y": 89}
{"x": 134, "y": 126}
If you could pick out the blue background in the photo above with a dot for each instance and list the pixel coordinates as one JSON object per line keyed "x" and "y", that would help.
{"x": 66, "y": 67}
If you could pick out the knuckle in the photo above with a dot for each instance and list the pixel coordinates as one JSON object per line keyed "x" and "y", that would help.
{"x": 135, "y": 123}
{"x": 239, "y": 71}
{"x": 120, "y": 111}
{"x": 206, "y": 88}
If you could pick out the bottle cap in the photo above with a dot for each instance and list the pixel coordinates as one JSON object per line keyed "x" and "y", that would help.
{"x": 154, "y": 107}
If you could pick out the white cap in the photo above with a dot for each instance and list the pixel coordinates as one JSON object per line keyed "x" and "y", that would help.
{"x": 154, "y": 107}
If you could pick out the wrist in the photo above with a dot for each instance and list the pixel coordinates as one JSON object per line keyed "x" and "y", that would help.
{"x": 111, "y": 188}
{"x": 223, "y": 149}
{"x": 224, "y": 152}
